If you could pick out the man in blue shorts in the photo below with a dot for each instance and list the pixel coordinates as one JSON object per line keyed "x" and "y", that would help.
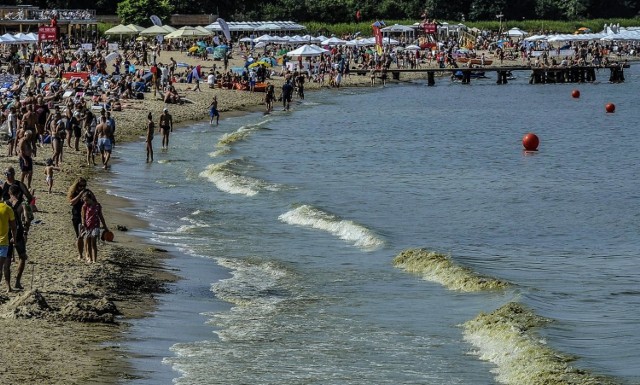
{"x": 7, "y": 222}
{"x": 102, "y": 140}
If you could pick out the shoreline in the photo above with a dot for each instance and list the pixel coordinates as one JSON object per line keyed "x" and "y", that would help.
{"x": 130, "y": 272}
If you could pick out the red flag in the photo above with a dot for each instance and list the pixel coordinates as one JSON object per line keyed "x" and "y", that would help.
{"x": 377, "y": 33}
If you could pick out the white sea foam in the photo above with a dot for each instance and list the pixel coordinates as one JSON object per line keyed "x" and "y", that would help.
{"x": 226, "y": 150}
{"x": 240, "y": 134}
{"x": 309, "y": 216}
{"x": 256, "y": 288}
{"x": 440, "y": 268}
{"x": 228, "y": 178}
{"x": 507, "y": 338}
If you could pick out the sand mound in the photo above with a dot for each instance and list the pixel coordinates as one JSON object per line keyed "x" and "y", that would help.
{"x": 30, "y": 304}
{"x": 101, "y": 310}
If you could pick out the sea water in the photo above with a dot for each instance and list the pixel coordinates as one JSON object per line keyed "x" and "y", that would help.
{"x": 335, "y": 244}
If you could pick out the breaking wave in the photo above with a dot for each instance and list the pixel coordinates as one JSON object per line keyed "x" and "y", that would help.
{"x": 506, "y": 337}
{"x": 309, "y": 216}
{"x": 440, "y": 268}
{"x": 228, "y": 178}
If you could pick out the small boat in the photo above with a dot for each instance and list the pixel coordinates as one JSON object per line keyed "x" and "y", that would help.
{"x": 474, "y": 75}
{"x": 474, "y": 61}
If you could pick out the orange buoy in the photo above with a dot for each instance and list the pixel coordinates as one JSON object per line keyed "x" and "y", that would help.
{"x": 530, "y": 142}
{"x": 575, "y": 94}
{"x": 107, "y": 236}
{"x": 610, "y": 108}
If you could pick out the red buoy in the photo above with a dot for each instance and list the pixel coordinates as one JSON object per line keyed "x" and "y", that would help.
{"x": 610, "y": 108}
{"x": 530, "y": 142}
{"x": 575, "y": 94}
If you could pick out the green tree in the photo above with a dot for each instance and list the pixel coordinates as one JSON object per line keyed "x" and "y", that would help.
{"x": 138, "y": 11}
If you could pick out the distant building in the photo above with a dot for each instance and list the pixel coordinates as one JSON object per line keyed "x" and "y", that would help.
{"x": 27, "y": 18}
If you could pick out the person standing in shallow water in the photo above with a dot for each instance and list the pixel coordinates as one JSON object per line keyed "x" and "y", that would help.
{"x": 213, "y": 111}
{"x": 166, "y": 127}
{"x": 149, "y": 138}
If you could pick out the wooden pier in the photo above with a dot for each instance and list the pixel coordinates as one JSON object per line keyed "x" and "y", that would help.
{"x": 538, "y": 75}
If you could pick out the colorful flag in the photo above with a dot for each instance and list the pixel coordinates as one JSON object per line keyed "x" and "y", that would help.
{"x": 377, "y": 33}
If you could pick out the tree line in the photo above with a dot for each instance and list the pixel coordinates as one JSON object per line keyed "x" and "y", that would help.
{"x": 341, "y": 11}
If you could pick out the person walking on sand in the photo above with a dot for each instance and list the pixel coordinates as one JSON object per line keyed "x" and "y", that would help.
{"x": 91, "y": 219}
{"x": 166, "y": 127}
{"x": 269, "y": 97}
{"x": 149, "y": 139}
{"x": 74, "y": 195}
{"x": 213, "y": 111}
{"x": 18, "y": 244}
{"x": 26, "y": 161}
{"x": 7, "y": 224}
{"x": 102, "y": 138}
{"x": 48, "y": 172}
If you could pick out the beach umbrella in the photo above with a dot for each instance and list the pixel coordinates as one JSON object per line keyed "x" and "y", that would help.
{"x": 186, "y": 33}
{"x": 203, "y": 29}
{"x": 154, "y": 31}
{"x": 135, "y": 27}
{"x": 412, "y": 47}
{"x": 259, "y": 63}
{"x": 121, "y": 29}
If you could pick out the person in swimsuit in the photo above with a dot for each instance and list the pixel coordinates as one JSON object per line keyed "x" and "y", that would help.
{"x": 48, "y": 172}
{"x": 149, "y": 139}
{"x": 213, "y": 111}
{"x": 166, "y": 127}
{"x": 102, "y": 139}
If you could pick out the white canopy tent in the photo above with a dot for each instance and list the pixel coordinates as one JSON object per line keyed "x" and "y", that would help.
{"x": 334, "y": 41}
{"x": 305, "y": 51}
{"x": 516, "y": 32}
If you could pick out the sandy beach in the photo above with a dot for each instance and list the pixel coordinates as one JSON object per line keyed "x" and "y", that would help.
{"x": 63, "y": 328}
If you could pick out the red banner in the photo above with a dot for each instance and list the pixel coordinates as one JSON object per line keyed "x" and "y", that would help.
{"x": 48, "y": 33}
{"x": 431, "y": 29}
{"x": 377, "y": 33}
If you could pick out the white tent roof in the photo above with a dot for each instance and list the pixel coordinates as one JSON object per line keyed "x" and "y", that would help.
{"x": 398, "y": 28}
{"x": 153, "y": 31}
{"x": 334, "y": 41}
{"x": 516, "y": 32}
{"x": 305, "y": 51}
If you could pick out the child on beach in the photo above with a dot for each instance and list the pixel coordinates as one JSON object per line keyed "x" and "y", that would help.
{"x": 48, "y": 172}
{"x": 92, "y": 217}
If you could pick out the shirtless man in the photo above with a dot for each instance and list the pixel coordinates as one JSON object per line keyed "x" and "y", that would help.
{"x": 31, "y": 122}
{"x": 166, "y": 127}
{"x": 26, "y": 161}
{"x": 103, "y": 141}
